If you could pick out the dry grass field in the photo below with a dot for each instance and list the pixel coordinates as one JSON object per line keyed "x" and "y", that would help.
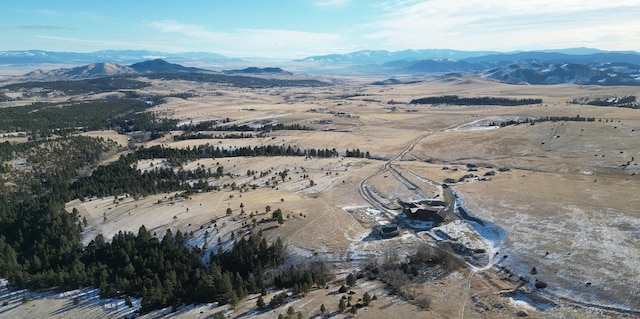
{"x": 568, "y": 205}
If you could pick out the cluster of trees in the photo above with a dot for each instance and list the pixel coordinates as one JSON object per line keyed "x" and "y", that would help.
{"x": 39, "y": 241}
{"x": 49, "y": 165}
{"x": 630, "y": 101}
{"x": 303, "y": 277}
{"x": 531, "y": 121}
{"x": 55, "y": 164}
{"x": 484, "y": 100}
{"x": 46, "y": 119}
{"x": 622, "y": 101}
{"x": 45, "y": 251}
{"x": 209, "y": 151}
{"x": 202, "y": 136}
{"x": 123, "y": 177}
{"x": 87, "y": 86}
{"x": 426, "y": 262}
{"x": 202, "y": 126}
{"x": 237, "y": 80}
{"x": 213, "y": 126}
{"x": 167, "y": 273}
{"x": 263, "y": 128}
{"x": 346, "y": 300}
{"x": 322, "y": 153}
{"x": 357, "y": 153}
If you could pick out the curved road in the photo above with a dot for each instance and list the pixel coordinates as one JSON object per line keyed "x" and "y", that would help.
{"x": 363, "y": 188}
{"x": 448, "y": 196}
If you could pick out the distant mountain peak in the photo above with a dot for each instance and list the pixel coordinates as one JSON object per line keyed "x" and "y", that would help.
{"x": 92, "y": 70}
{"x": 102, "y": 69}
{"x": 257, "y": 70}
{"x": 162, "y": 66}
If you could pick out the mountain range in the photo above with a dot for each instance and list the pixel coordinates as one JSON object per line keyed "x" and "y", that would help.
{"x": 156, "y": 66}
{"x": 581, "y": 66}
{"x": 578, "y": 66}
{"x": 103, "y": 69}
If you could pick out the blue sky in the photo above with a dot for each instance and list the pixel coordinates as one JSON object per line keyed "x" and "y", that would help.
{"x": 299, "y": 28}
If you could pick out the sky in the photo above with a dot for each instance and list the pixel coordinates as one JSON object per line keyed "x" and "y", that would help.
{"x": 300, "y": 28}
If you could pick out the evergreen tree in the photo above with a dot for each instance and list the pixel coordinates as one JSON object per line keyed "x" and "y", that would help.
{"x": 342, "y": 306}
{"x": 350, "y": 280}
{"x": 366, "y": 299}
{"x": 260, "y": 303}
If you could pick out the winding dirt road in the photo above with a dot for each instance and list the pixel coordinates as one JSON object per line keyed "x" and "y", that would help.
{"x": 448, "y": 195}
{"x": 386, "y": 167}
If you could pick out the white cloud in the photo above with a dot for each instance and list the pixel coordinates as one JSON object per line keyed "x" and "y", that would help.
{"x": 249, "y": 42}
{"x": 88, "y": 45}
{"x": 506, "y": 24}
{"x": 501, "y": 25}
{"x": 189, "y": 30}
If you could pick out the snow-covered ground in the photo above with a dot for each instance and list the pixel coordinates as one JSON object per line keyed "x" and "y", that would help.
{"x": 485, "y": 123}
{"x": 87, "y": 298}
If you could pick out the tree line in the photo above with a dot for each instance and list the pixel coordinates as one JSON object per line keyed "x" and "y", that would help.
{"x": 123, "y": 177}
{"x": 484, "y": 100}
{"x": 213, "y": 126}
{"x": 237, "y": 80}
{"x": 630, "y": 101}
{"x": 47, "y": 119}
{"x": 357, "y": 153}
{"x": 532, "y": 121}
{"x": 87, "y": 86}
{"x": 203, "y": 136}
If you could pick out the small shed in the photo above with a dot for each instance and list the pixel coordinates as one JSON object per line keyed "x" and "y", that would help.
{"x": 389, "y": 230}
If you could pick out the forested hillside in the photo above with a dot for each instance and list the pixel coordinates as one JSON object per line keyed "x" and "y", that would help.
{"x": 40, "y": 241}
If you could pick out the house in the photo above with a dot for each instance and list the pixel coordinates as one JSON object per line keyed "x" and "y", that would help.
{"x": 435, "y": 215}
{"x": 431, "y": 210}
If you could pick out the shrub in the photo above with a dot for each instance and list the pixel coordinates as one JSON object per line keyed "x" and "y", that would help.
{"x": 423, "y": 302}
{"x": 541, "y": 284}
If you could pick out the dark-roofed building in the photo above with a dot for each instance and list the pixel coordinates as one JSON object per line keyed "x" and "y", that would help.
{"x": 389, "y": 230}
{"x": 435, "y": 215}
{"x": 432, "y": 210}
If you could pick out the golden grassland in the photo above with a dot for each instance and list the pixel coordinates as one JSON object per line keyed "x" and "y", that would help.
{"x": 567, "y": 205}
